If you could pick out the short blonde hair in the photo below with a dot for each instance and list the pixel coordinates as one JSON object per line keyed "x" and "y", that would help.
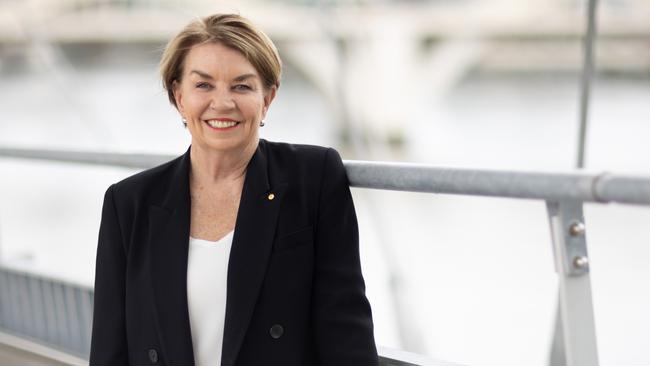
{"x": 231, "y": 30}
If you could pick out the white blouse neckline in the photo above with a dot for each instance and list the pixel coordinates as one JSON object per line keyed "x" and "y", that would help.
{"x": 206, "y": 242}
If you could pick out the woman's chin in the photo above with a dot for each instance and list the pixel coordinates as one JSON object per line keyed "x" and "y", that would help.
{"x": 223, "y": 145}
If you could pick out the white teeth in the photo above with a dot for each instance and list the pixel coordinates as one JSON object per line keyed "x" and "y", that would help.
{"x": 221, "y": 124}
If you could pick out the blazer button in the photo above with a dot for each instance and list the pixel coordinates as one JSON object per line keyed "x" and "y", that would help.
{"x": 276, "y": 331}
{"x": 153, "y": 356}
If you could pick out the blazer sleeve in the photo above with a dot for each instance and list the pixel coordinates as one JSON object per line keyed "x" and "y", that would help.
{"x": 342, "y": 319}
{"x": 108, "y": 343}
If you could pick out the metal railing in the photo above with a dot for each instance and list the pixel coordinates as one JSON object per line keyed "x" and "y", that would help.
{"x": 564, "y": 194}
{"x": 58, "y": 314}
{"x": 54, "y": 312}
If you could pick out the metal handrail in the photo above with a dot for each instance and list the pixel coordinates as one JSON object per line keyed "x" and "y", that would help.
{"x": 551, "y": 186}
{"x": 563, "y": 192}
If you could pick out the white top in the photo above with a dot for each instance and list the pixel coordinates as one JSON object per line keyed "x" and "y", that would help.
{"x": 207, "y": 273}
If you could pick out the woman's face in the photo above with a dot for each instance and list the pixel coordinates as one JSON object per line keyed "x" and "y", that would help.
{"x": 222, "y": 97}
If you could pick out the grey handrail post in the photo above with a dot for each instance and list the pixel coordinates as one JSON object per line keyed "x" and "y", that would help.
{"x": 558, "y": 355}
{"x": 585, "y": 82}
{"x": 576, "y": 312}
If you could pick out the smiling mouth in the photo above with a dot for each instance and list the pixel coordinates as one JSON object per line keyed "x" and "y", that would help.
{"x": 221, "y": 125}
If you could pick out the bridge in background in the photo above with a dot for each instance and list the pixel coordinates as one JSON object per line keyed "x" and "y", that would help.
{"x": 344, "y": 47}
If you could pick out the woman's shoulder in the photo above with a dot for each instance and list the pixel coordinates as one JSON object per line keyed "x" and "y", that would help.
{"x": 300, "y": 153}
{"x": 304, "y": 165}
{"x": 143, "y": 183}
{"x": 292, "y": 148}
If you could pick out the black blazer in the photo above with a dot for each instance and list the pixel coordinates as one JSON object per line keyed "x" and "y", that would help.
{"x": 296, "y": 295}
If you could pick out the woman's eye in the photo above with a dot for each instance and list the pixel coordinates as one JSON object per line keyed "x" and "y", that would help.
{"x": 203, "y": 85}
{"x": 242, "y": 87}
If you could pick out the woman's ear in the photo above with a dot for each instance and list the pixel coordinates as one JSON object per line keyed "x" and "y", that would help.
{"x": 269, "y": 95}
{"x": 178, "y": 97}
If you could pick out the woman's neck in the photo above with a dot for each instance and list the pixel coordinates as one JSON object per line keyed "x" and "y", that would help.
{"x": 209, "y": 166}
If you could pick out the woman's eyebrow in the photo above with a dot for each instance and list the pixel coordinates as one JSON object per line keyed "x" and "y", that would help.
{"x": 244, "y": 77}
{"x": 202, "y": 74}
{"x": 209, "y": 77}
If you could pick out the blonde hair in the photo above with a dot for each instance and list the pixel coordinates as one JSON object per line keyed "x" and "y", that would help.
{"x": 231, "y": 30}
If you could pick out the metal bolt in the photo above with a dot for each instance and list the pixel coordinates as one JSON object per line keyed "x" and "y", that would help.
{"x": 577, "y": 229}
{"x": 580, "y": 262}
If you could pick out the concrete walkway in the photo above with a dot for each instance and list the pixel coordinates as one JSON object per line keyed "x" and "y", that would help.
{"x": 15, "y": 357}
{"x": 19, "y": 351}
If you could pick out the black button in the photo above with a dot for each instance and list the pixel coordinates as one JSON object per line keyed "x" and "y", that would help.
{"x": 276, "y": 331}
{"x": 153, "y": 356}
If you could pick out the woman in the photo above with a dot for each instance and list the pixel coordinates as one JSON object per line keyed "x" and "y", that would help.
{"x": 241, "y": 251}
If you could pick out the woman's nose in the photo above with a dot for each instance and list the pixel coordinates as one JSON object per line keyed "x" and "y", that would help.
{"x": 222, "y": 99}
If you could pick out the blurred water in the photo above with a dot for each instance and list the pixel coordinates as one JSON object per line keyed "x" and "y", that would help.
{"x": 478, "y": 272}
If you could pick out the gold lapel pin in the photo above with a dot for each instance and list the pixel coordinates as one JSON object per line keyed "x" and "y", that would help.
{"x": 271, "y": 196}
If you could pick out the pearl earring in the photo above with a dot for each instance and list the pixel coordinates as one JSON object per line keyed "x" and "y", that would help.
{"x": 262, "y": 123}
{"x": 184, "y": 122}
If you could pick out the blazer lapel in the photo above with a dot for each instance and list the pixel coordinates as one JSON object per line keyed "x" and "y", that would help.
{"x": 251, "y": 248}
{"x": 169, "y": 233}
